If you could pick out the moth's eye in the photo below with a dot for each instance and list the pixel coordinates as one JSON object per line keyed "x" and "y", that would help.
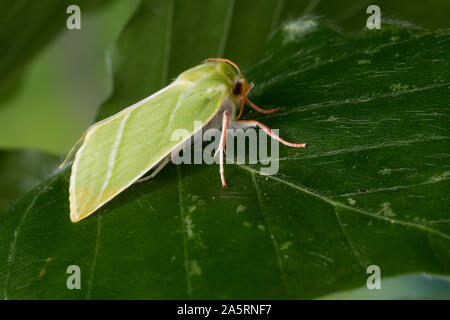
{"x": 237, "y": 90}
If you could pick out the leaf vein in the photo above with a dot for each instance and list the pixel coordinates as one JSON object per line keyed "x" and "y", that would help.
{"x": 94, "y": 259}
{"x": 357, "y": 100}
{"x": 354, "y": 209}
{"x": 226, "y": 29}
{"x": 347, "y": 236}
{"x": 183, "y": 232}
{"x": 167, "y": 49}
{"x": 271, "y": 235}
{"x": 12, "y": 249}
{"x": 399, "y": 143}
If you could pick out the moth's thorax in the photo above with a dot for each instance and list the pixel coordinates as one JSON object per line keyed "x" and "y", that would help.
{"x": 215, "y": 72}
{"x": 215, "y": 75}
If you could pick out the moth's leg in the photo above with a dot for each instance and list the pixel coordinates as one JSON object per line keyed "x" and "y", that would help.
{"x": 159, "y": 167}
{"x": 222, "y": 144}
{"x": 253, "y": 123}
{"x": 72, "y": 150}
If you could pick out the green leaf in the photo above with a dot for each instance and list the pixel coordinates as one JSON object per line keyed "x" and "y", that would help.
{"x": 61, "y": 89}
{"x": 371, "y": 188}
{"x": 351, "y": 15}
{"x": 26, "y": 27}
{"x": 22, "y": 170}
{"x": 181, "y": 34}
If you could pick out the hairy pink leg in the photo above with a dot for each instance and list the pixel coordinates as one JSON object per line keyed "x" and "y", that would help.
{"x": 223, "y": 142}
{"x": 254, "y": 123}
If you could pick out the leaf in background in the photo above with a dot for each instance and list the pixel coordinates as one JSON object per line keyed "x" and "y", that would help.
{"x": 61, "y": 89}
{"x": 46, "y": 18}
{"x": 179, "y": 35}
{"x": 371, "y": 188}
{"x": 22, "y": 170}
{"x": 405, "y": 287}
{"x": 350, "y": 15}
{"x": 26, "y": 27}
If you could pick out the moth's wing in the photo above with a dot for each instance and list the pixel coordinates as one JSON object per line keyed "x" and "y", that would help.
{"x": 119, "y": 150}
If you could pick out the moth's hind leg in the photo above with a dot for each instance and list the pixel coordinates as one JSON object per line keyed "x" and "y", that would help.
{"x": 158, "y": 168}
{"x": 253, "y": 123}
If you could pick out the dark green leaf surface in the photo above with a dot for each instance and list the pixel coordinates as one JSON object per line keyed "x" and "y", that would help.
{"x": 22, "y": 170}
{"x": 371, "y": 188}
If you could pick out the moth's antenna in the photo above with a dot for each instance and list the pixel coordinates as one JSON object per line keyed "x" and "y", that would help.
{"x": 227, "y": 61}
{"x": 260, "y": 110}
{"x": 254, "y": 106}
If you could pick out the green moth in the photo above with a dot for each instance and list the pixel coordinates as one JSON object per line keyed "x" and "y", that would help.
{"x": 118, "y": 151}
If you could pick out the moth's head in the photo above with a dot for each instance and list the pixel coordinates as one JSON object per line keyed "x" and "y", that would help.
{"x": 240, "y": 87}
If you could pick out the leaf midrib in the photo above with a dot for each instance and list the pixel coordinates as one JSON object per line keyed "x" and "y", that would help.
{"x": 335, "y": 204}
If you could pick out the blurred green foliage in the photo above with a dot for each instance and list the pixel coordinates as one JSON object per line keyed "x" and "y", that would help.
{"x": 58, "y": 94}
{"x": 411, "y": 286}
{"x": 26, "y": 27}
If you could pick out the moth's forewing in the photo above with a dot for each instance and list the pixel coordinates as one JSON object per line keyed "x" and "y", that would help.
{"x": 119, "y": 150}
